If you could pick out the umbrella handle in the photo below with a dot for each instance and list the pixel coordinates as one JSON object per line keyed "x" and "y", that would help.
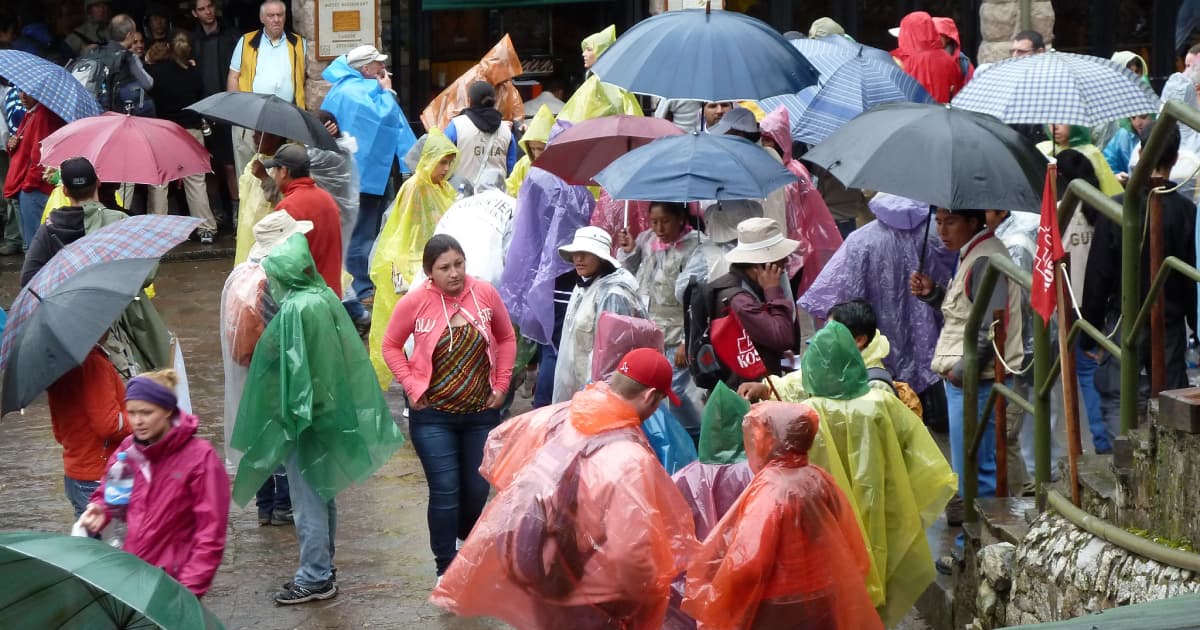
{"x": 925, "y": 241}
{"x": 626, "y": 215}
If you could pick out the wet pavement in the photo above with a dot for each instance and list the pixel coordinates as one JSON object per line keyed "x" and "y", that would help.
{"x": 385, "y": 568}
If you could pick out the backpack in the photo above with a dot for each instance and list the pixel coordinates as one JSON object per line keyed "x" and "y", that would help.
{"x": 704, "y": 366}
{"x": 104, "y": 73}
{"x": 900, "y": 389}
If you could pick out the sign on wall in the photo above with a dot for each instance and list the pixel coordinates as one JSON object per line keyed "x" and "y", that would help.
{"x": 344, "y": 24}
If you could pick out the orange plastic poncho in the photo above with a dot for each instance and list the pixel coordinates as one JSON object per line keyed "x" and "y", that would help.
{"x": 589, "y": 534}
{"x": 497, "y": 67}
{"x": 511, "y": 446}
{"x": 789, "y": 554}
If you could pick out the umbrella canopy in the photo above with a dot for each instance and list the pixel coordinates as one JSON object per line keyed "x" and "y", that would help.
{"x": 146, "y": 236}
{"x": 936, "y": 154}
{"x": 132, "y": 149}
{"x": 48, "y": 84}
{"x": 57, "y": 581}
{"x": 265, "y": 112}
{"x": 66, "y": 323}
{"x": 578, "y": 153}
{"x": 707, "y": 56}
{"x": 827, "y": 53}
{"x": 695, "y": 167}
{"x": 1056, "y": 87}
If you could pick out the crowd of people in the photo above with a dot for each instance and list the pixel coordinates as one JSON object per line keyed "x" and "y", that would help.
{"x": 456, "y": 269}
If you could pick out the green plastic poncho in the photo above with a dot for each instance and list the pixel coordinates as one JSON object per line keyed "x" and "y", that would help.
{"x": 883, "y": 458}
{"x": 599, "y": 42}
{"x": 311, "y": 388}
{"x": 1080, "y": 139}
{"x": 538, "y": 131}
{"x": 411, "y": 222}
{"x": 721, "y": 440}
{"x": 595, "y": 99}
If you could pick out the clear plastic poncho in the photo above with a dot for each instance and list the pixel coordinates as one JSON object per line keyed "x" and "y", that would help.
{"x": 246, "y": 306}
{"x": 616, "y": 293}
{"x": 396, "y": 260}
{"x": 588, "y": 534}
{"x": 336, "y": 174}
{"x": 254, "y": 204}
{"x": 314, "y": 390}
{"x": 497, "y": 67}
{"x": 884, "y": 459}
{"x": 482, "y": 224}
{"x": 538, "y": 131}
{"x": 789, "y": 553}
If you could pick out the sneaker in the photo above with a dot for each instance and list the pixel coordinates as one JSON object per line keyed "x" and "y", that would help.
{"x": 280, "y": 517}
{"x": 363, "y": 326}
{"x": 955, "y": 511}
{"x": 9, "y": 249}
{"x": 206, "y": 237}
{"x": 264, "y": 518}
{"x": 946, "y": 565}
{"x": 300, "y": 594}
{"x": 287, "y": 586}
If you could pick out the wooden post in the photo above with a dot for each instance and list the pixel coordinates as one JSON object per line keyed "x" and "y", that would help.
{"x": 1001, "y": 411}
{"x": 1158, "y": 318}
{"x": 1070, "y": 386}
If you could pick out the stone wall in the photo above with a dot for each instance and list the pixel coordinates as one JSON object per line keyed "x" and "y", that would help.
{"x": 304, "y": 22}
{"x": 1158, "y": 486}
{"x": 999, "y": 20}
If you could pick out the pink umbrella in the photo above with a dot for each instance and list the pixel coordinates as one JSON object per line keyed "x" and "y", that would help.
{"x": 578, "y": 153}
{"x": 130, "y": 149}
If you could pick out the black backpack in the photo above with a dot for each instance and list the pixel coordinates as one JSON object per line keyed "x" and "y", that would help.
{"x": 104, "y": 72}
{"x": 699, "y": 306}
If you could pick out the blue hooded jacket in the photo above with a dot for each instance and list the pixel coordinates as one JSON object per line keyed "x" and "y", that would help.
{"x": 371, "y": 114}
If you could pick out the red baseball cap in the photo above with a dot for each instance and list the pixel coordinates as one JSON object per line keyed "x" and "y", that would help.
{"x": 650, "y": 368}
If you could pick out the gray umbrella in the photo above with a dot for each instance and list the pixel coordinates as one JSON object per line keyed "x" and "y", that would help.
{"x": 67, "y": 323}
{"x": 265, "y": 112}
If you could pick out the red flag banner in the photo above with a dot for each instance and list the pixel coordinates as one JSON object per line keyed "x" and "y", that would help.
{"x": 732, "y": 344}
{"x": 1049, "y": 251}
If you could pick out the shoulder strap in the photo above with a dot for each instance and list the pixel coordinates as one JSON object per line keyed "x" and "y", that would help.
{"x": 881, "y": 374}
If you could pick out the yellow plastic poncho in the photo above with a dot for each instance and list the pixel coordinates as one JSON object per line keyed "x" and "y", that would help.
{"x": 791, "y": 385}
{"x": 596, "y": 98}
{"x": 1080, "y": 139}
{"x": 538, "y": 131}
{"x": 411, "y": 221}
{"x": 252, "y": 207}
{"x": 883, "y": 458}
{"x": 599, "y": 42}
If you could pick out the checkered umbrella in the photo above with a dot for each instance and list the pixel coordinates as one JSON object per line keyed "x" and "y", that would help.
{"x": 48, "y": 84}
{"x": 1058, "y": 88}
{"x": 147, "y": 236}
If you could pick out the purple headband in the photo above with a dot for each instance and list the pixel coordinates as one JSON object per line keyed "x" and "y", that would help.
{"x": 142, "y": 388}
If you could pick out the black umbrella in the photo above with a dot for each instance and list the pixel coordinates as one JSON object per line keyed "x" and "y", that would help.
{"x": 265, "y": 112}
{"x": 66, "y": 323}
{"x": 946, "y": 157}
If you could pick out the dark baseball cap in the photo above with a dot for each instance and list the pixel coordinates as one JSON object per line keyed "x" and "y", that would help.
{"x": 289, "y": 156}
{"x": 77, "y": 173}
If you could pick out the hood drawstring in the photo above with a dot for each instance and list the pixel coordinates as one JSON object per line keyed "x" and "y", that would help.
{"x": 471, "y": 320}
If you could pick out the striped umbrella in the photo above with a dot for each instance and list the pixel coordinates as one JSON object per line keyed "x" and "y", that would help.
{"x": 1057, "y": 87}
{"x": 48, "y": 84}
{"x": 146, "y": 236}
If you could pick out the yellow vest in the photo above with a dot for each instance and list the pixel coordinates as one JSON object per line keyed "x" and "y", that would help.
{"x": 250, "y": 43}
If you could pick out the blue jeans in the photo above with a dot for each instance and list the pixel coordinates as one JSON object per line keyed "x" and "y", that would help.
{"x": 362, "y": 238}
{"x": 274, "y": 493}
{"x": 543, "y": 391}
{"x": 987, "y": 449}
{"x": 78, "y": 493}
{"x": 687, "y": 414}
{"x": 316, "y": 526}
{"x": 1085, "y": 369}
{"x": 450, "y": 446}
{"x": 32, "y": 205}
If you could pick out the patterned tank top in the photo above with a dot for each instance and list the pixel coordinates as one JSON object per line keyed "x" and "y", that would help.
{"x": 460, "y": 371}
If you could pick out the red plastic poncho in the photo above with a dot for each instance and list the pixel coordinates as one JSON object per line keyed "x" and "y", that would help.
{"x": 923, "y": 58}
{"x": 808, "y": 217}
{"x": 789, "y": 554}
{"x": 589, "y": 533}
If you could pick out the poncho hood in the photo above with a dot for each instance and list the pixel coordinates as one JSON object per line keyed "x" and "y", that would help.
{"x": 436, "y": 147}
{"x": 918, "y": 33}
{"x": 595, "y": 99}
{"x": 1123, "y": 57}
{"x": 599, "y": 42}
{"x": 290, "y": 268}
{"x": 501, "y": 63}
{"x": 832, "y": 366}
{"x": 876, "y": 351}
{"x": 1078, "y": 136}
{"x": 778, "y": 127}
{"x": 597, "y": 409}
{"x": 539, "y": 128}
{"x": 779, "y": 432}
{"x": 946, "y": 27}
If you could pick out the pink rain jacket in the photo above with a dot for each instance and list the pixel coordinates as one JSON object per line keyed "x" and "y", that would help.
{"x": 180, "y": 504}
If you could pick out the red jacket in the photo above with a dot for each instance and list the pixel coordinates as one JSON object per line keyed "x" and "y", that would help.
{"x": 177, "y": 514}
{"x": 87, "y": 412}
{"x": 923, "y": 58}
{"x": 305, "y": 201}
{"x": 24, "y": 167}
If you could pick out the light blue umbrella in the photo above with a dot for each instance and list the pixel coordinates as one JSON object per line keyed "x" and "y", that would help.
{"x": 705, "y": 56}
{"x": 827, "y": 53}
{"x": 48, "y": 84}
{"x": 695, "y": 167}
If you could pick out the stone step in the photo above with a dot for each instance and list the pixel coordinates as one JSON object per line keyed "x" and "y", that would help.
{"x": 1097, "y": 485}
{"x": 1004, "y": 519}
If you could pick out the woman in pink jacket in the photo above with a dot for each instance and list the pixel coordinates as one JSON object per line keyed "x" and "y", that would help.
{"x": 177, "y": 512}
{"x": 456, "y": 380}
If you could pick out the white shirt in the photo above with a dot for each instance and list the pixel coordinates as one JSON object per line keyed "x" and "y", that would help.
{"x": 273, "y": 72}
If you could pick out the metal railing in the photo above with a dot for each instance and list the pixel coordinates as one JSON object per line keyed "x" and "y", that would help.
{"x": 1135, "y": 314}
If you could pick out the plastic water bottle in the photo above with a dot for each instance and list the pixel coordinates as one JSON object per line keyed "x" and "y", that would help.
{"x": 118, "y": 487}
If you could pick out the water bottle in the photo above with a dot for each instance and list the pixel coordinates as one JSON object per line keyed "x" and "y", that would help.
{"x": 118, "y": 487}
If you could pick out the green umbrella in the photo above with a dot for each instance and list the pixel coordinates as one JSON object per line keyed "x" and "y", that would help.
{"x": 58, "y": 581}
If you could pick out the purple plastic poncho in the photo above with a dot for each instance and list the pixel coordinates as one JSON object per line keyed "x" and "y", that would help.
{"x": 874, "y": 263}
{"x": 549, "y": 210}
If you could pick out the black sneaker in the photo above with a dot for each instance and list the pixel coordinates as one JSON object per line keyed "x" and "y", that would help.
{"x": 281, "y": 517}
{"x": 300, "y": 594}
{"x": 264, "y": 518}
{"x": 287, "y": 586}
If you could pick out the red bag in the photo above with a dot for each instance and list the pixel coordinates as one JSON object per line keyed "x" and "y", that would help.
{"x": 734, "y": 348}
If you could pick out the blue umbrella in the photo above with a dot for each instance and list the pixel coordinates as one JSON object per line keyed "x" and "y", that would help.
{"x": 705, "y": 56}
{"x": 828, "y": 53}
{"x": 48, "y": 84}
{"x": 695, "y": 167}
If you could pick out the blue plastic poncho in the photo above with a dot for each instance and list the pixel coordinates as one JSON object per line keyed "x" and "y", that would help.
{"x": 874, "y": 264}
{"x": 371, "y": 114}
{"x": 313, "y": 388}
{"x": 549, "y": 210}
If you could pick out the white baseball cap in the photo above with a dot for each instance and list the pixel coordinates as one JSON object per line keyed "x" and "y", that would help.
{"x": 363, "y": 55}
